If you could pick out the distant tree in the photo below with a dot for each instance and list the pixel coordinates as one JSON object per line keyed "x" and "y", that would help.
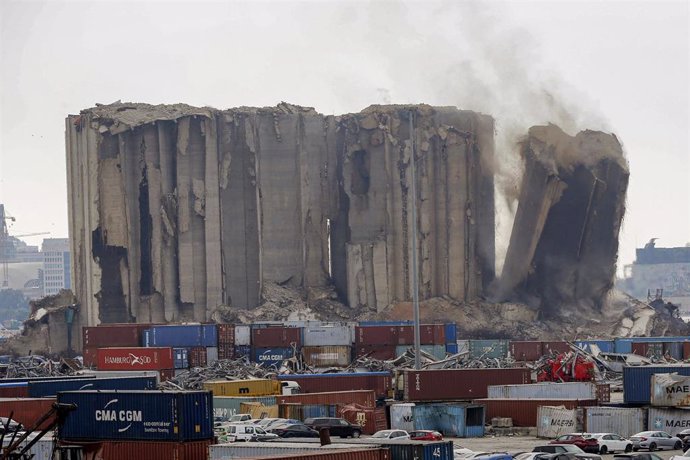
{"x": 13, "y": 305}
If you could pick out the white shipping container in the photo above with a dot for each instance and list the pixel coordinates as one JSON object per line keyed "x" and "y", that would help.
{"x": 327, "y": 356}
{"x": 243, "y": 335}
{"x": 211, "y": 355}
{"x": 266, "y": 449}
{"x": 554, "y": 421}
{"x": 546, "y": 390}
{"x": 625, "y": 421}
{"x": 463, "y": 346}
{"x": 670, "y": 390}
{"x": 320, "y": 336}
{"x": 41, "y": 450}
{"x": 672, "y": 421}
{"x": 402, "y": 416}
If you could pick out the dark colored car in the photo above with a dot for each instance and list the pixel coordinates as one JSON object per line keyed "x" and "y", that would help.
{"x": 336, "y": 426}
{"x": 640, "y": 456}
{"x": 566, "y": 449}
{"x": 296, "y": 430}
{"x": 587, "y": 444}
{"x": 426, "y": 435}
{"x": 561, "y": 456}
{"x": 685, "y": 437}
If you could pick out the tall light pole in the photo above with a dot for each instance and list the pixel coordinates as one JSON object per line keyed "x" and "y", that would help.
{"x": 415, "y": 275}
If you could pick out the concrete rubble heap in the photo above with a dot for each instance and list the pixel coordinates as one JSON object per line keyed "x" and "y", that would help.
{"x": 177, "y": 210}
{"x": 564, "y": 242}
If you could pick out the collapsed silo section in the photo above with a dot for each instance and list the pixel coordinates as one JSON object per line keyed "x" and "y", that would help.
{"x": 371, "y": 244}
{"x": 564, "y": 242}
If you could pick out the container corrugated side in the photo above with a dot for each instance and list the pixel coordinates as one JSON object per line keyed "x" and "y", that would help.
{"x": 366, "y": 398}
{"x": 379, "y": 382}
{"x": 211, "y": 355}
{"x": 339, "y": 454}
{"x": 227, "y": 406}
{"x": 266, "y": 337}
{"x": 555, "y": 348}
{"x": 670, "y": 390}
{"x": 451, "y": 333}
{"x": 637, "y": 381}
{"x": 146, "y": 450}
{"x": 606, "y": 346}
{"x": 674, "y": 350}
{"x": 672, "y": 421}
{"x": 376, "y": 335}
{"x": 569, "y": 390}
{"x": 370, "y": 419}
{"x": 134, "y": 358}
{"x": 327, "y": 356}
{"x": 524, "y": 411}
{"x": 319, "y": 336}
{"x": 375, "y": 351}
{"x": 249, "y": 387}
{"x": 272, "y": 356}
{"x": 137, "y": 415}
{"x": 526, "y": 350}
{"x": 488, "y": 348}
{"x": 40, "y": 450}
{"x": 554, "y": 421}
{"x": 113, "y": 335}
{"x": 265, "y": 449}
{"x": 451, "y": 419}
{"x": 53, "y": 387}
{"x": 197, "y": 357}
{"x": 243, "y": 335}
{"x": 625, "y": 421}
{"x": 27, "y": 411}
{"x": 454, "y": 384}
{"x": 226, "y": 334}
{"x": 14, "y": 390}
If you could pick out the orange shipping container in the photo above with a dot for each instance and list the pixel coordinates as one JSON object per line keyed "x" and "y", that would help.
{"x": 366, "y": 398}
{"x": 334, "y": 454}
{"x": 149, "y": 450}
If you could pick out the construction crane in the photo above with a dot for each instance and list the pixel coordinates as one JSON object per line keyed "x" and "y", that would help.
{"x": 4, "y": 245}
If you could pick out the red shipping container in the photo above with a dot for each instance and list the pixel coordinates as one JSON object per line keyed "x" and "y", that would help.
{"x": 166, "y": 374}
{"x": 371, "y": 420}
{"x": 555, "y": 348}
{"x": 524, "y": 411}
{"x": 14, "y": 390}
{"x": 27, "y": 411}
{"x": 375, "y": 351}
{"x": 90, "y": 356}
{"x": 264, "y": 337}
{"x": 458, "y": 384}
{"x": 311, "y": 383}
{"x": 197, "y": 357}
{"x": 226, "y": 351}
{"x": 113, "y": 335}
{"x": 333, "y": 454}
{"x": 152, "y": 450}
{"x": 226, "y": 334}
{"x": 376, "y": 335}
{"x": 365, "y": 398}
{"x": 526, "y": 351}
{"x": 686, "y": 350}
{"x": 429, "y": 334}
{"x": 135, "y": 358}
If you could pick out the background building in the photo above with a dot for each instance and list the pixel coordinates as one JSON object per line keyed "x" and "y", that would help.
{"x": 56, "y": 265}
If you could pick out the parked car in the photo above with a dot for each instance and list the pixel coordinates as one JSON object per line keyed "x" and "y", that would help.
{"x": 267, "y": 423}
{"x": 426, "y": 435}
{"x": 582, "y": 440}
{"x": 637, "y": 456}
{"x": 247, "y": 432}
{"x": 685, "y": 437}
{"x": 561, "y": 456}
{"x": 240, "y": 418}
{"x": 566, "y": 448}
{"x": 654, "y": 440}
{"x": 685, "y": 456}
{"x": 611, "y": 442}
{"x": 336, "y": 426}
{"x": 391, "y": 434}
{"x": 295, "y": 430}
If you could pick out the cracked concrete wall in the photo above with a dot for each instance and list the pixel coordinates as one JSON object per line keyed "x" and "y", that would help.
{"x": 564, "y": 242}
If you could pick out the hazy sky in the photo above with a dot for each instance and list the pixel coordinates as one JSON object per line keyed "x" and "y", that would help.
{"x": 617, "y": 66}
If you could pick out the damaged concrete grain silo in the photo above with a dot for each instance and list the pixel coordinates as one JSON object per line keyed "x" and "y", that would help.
{"x": 176, "y": 210}
{"x": 564, "y": 242}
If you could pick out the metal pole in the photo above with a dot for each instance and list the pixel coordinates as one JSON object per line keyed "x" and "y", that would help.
{"x": 415, "y": 275}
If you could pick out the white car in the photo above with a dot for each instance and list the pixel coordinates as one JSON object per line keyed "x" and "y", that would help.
{"x": 611, "y": 442}
{"x": 685, "y": 456}
{"x": 391, "y": 434}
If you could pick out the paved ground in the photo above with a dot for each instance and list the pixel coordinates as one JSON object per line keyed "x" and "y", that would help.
{"x": 514, "y": 444}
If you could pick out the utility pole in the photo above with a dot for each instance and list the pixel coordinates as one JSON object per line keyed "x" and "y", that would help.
{"x": 415, "y": 275}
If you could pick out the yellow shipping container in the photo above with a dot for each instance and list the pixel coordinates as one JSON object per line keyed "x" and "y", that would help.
{"x": 254, "y": 387}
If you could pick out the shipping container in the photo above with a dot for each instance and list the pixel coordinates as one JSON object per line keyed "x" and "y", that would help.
{"x": 429, "y": 334}
{"x": 674, "y": 350}
{"x": 526, "y": 350}
{"x": 463, "y": 346}
{"x": 625, "y": 421}
{"x": 456, "y": 384}
{"x": 266, "y": 337}
{"x": 437, "y": 351}
{"x": 371, "y": 419}
{"x": 379, "y": 382}
{"x": 418, "y": 450}
{"x": 670, "y": 390}
{"x": 113, "y": 335}
{"x": 249, "y": 387}
{"x": 184, "y": 336}
{"x": 226, "y": 351}
{"x": 686, "y": 350}
{"x": 166, "y": 374}
{"x": 271, "y": 449}
{"x": 554, "y": 421}
{"x": 320, "y": 336}
{"x": 134, "y": 358}
{"x": 545, "y": 390}
{"x": 488, "y": 349}
{"x": 53, "y": 387}
{"x": 327, "y": 356}
{"x": 272, "y": 356}
{"x": 451, "y": 333}
{"x": 384, "y": 352}
{"x": 138, "y": 415}
{"x": 197, "y": 357}
{"x": 90, "y": 356}
{"x": 242, "y": 351}
{"x": 243, "y": 335}
{"x": 227, "y": 406}
{"x": 27, "y": 411}
{"x": 211, "y": 355}
{"x": 605, "y": 346}
{"x": 181, "y": 358}
{"x": 637, "y": 381}
{"x": 14, "y": 390}
{"x": 672, "y": 421}
{"x": 451, "y": 419}
{"x": 338, "y": 454}
{"x": 452, "y": 348}
{"x": 366, "y": 398}
{"x": 226, "y": 334}
{"x": 653, "y": 350}
{"x": 524, "y": 411}
{"x": 624, "y": 344}
{"x": 42, "y": 449}
{"x": 376, "y": 335}
{"x": 147, "y": 450}
{"x": 555, "y": 348}
{"x": 304, "y": 411}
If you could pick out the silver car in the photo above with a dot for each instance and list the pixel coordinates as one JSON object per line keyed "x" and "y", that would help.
{"x": 654, "y": 440}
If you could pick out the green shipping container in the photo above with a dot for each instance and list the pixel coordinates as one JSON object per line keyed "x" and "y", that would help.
{"x": 488, "y": 348}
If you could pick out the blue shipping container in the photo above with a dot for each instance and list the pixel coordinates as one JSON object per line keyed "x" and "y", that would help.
{"x": 450, "y": 419}
{"x": 53, "y": 387}
{"x": 138, "y": 415}
{"x": 419, "y": 450}
{"x": 452, "y": 348}
{"x": 180, "y": 358}
{"x": 451, "y": 333}
{"x": 188, "y": 335}
{"x": 271, "y": 356}
{"x": 243, "y": 350}
{"x": 624, "y": 345}
{"x": 637, "y": 381}
{"x": 605, "y": 346}
{"x": 146, "y": 338}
